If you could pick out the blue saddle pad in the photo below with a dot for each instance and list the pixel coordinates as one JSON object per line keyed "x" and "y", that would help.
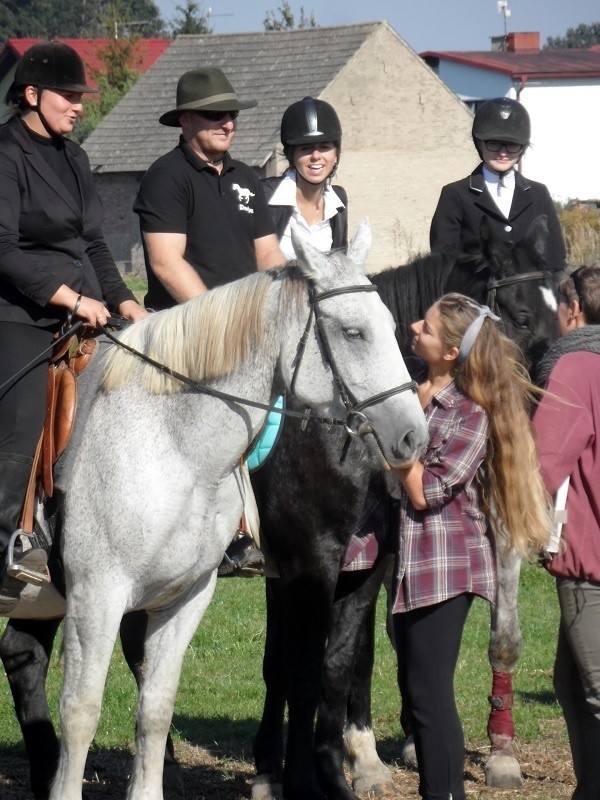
{"x": 267, "y": 438}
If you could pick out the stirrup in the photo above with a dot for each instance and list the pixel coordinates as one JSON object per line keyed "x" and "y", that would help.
{"x": 31, "y": 566}
{"x": 242, "y": 559}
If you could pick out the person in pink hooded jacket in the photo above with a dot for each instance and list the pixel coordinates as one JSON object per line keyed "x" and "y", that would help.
{"x": 567, "y": 426}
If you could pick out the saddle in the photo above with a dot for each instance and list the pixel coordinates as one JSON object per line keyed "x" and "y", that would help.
{"x": 68, "y": 361}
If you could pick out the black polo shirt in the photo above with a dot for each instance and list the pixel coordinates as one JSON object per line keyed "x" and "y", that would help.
{"x": 221, "y": 216}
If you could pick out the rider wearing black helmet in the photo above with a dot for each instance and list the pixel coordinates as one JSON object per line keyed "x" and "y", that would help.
{"x": 496, "y": 190}
{"x": 54, "y": 266}
{"x": 311, "y": 135}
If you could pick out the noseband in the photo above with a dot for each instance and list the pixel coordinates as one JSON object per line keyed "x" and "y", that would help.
{"x": 356, "y": 422}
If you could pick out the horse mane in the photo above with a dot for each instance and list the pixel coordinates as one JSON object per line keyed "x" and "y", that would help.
{"x": 409, "y": 290}
{"x": 206, "y": 338}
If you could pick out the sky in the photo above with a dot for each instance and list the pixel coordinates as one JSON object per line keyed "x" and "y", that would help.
{"x": 424, "y": 24}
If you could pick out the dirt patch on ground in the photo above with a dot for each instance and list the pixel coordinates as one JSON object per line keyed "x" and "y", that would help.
{"x": 209, "y": 775}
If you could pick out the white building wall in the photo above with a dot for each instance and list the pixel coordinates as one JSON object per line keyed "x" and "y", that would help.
{"x": 565, "y": 120}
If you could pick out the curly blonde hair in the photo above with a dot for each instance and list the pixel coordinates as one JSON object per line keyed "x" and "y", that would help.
{"x": 493, "y": 375}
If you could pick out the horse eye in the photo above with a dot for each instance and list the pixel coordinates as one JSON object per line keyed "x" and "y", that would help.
{"x": 353, "y": 333}
{"x": 522, "y": 322}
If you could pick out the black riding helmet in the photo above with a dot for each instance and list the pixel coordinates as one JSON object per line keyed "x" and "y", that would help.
{"x": 310, "y": 121}
{"x": 50, "y": 65}
{"x": 503, "y": 119}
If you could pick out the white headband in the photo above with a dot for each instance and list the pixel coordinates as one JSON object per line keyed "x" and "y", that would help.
{"x": 472, "y": 331}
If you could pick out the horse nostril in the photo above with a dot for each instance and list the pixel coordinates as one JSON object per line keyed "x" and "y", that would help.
{"x": 410, "y": 446}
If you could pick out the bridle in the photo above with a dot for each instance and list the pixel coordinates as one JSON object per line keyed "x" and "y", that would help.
{"x": 355, "y": 419}
{"x": 497, "y": 283}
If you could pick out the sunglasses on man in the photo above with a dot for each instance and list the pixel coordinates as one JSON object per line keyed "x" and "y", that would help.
{"x": 217, "y": 116}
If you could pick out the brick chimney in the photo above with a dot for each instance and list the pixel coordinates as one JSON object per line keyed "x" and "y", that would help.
{"x": 518, "y": 42}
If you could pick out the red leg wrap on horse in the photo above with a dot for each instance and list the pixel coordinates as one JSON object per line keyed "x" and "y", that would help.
{"x": 500, "y": 722}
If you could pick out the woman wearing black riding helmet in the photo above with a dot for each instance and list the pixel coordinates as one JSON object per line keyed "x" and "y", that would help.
{"x": 496, "y": 190}
{"x": 54, "y": 266}
{"x": 311, "y": 136}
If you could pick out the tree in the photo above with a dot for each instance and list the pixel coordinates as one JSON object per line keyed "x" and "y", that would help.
{"x": 582, "y": 36}
{"x": 117, "y": 78}
{"x": 47, "y": 19}
{"x": 191, "y": 19}
{"x": 283, "y": 19}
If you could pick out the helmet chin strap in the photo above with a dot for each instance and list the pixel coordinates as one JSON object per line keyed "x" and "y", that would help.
{"x": 43, "y": 120}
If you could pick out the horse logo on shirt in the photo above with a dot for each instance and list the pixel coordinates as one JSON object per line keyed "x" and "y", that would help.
{"x": 243, "y": 197}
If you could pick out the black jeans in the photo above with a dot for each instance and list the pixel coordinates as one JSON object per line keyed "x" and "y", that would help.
{"x": 428, "y": 643}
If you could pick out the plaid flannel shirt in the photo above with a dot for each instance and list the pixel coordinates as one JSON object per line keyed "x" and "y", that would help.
{"x": 446, "y": 549}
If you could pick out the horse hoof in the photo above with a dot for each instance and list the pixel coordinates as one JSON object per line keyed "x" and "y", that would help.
{"x": 368, "y": 773}
{"x": 380, "y": 786}
{"x": 263, "y": 789}
{"x": 408, "y": 753}
{"x": 502, "y": 771}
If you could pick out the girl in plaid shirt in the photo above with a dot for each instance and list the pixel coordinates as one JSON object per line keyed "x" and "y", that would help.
{"x": 476, "y": 396}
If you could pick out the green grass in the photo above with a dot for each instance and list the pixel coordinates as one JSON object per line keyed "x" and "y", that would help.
{"x": 221, "y": 690}
{"x": 138, "y": 285}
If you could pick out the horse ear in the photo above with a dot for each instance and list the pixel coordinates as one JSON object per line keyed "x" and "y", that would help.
{"x": 537, "y": 235}
{"x": 361, "y": 242}
{"x": 311, "y": 262}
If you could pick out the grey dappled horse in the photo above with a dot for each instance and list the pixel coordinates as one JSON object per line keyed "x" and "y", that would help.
{"x": 154, "y": 497}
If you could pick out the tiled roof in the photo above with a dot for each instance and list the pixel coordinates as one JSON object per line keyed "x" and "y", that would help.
{"x": 555, "y": 64}
{"x": 273, "y": 67}
{"x": 146, "y": 51}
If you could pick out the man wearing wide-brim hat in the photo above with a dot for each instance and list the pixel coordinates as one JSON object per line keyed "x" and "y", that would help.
{"x": 204, "y": 219}
{"x": 203, "y": 216}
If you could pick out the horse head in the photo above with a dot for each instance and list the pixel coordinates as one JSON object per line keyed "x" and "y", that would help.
{"x": 348, "y": 363}
{"x": 518, "y": 282}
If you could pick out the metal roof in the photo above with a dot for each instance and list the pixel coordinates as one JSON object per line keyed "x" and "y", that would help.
{"x": 90, "y": 50}
{"x": 560, "y": 64}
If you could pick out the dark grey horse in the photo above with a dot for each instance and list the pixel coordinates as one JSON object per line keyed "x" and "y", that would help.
{"x": 313, "y": 498}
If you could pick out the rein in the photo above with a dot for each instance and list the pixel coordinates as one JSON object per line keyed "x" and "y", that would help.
{"x": 498, "y": 283}
{"x": 63, "y": 336}
{"x": 353, "y": 407}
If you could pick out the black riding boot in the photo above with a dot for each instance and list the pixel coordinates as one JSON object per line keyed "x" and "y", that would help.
{"x": 18, "y": 564}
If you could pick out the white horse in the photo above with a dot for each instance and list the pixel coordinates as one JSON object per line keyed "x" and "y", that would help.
{"x": 154, "y": 497}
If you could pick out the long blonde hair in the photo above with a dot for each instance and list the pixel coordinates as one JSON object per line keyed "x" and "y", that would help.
{"x": 494, "y": 377}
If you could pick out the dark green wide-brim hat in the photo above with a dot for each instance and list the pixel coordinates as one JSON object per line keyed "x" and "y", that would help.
{"x": 204, "y": 89}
